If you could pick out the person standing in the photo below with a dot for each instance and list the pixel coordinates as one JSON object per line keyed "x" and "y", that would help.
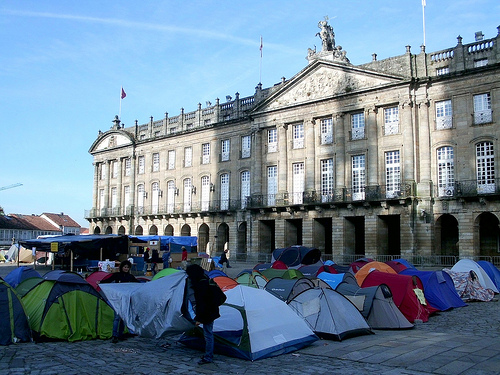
{"x": 184, "y": 257}
{"x": 147, "y": 260}
{"x": 224, "y": 258}
{"x": 155, "y": 259}
{"x": 122, "y": 276}
{"x": 206, "y": 309}
{"x": 166, "y": 258}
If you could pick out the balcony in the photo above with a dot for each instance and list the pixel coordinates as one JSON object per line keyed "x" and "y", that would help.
{"x": 469, "y": 189}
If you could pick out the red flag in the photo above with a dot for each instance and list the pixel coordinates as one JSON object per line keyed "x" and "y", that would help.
{"x": 123, "y": 93}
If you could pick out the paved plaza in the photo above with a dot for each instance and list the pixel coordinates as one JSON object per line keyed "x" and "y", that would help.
{"x": 460, "y": 341}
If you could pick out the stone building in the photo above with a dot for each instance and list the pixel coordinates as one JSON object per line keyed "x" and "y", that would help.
{"x": 392, "y": 158}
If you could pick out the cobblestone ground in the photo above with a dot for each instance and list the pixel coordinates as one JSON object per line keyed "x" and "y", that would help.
{"x": 461, "y": 341}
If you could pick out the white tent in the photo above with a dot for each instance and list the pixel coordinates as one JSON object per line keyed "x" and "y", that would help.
{"x": 25, "y": 255}
{"x": 466, "y": 265}
{"x": 151, "y": 309}
{"x": 329, "y": 314}
{"x": 253, "y": 325}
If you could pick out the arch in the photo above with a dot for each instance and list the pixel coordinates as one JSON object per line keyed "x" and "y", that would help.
{"x": 222, "y": 237}
{"x": 153, "y": 230}
{"x": 169, "y": 230}
{"x": 447, "y": 235}
{"x": 203, "y": 237}
{"x": 138, "y": 230}
{"x": 241, "y": 247}
{"x": 97, "y": 230}
{"x": 121, "y": 230}
{"x": 109, "y": 230}
{"x": 489, "y": 234}
{"x": 185, "y": 230}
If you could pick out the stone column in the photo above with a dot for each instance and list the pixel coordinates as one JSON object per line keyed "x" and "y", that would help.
{"x": 95, "y": 195}
{"x": 107, "y": 184}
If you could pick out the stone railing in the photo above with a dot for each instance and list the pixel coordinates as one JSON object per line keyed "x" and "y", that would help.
{"x": 442, "y": 55}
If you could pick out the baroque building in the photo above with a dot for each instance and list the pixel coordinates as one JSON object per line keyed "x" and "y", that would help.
{"x": 392, "y": 158}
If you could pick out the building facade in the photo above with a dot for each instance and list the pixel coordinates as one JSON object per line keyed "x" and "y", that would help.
{"x": 393, "y": 158}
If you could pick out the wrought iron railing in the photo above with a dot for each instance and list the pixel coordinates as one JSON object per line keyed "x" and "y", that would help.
{"x": 468, "y": 188}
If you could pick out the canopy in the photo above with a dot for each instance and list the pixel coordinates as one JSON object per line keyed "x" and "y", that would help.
{"x": 173, "y": 243}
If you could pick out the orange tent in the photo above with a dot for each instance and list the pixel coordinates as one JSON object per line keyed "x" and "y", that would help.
{"x": 369, "y": 267}
{"x": 225, "y": 282}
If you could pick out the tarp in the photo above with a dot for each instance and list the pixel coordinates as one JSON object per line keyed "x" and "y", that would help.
{"x": 376, "y": 305}
{"x": 329, "y": 314}
{"x": 151, "y": 309}
{"x": 439, "y": 289}
{"x": 285, "y": 290}
{"x": 14, "y": 326}
{"x": 174, "y": 243}
{"x": 254, "y": 325}
{"x": 19, "y": 274}
{"x": 466, "y": 265}
{"x": 63, "y": 306}
{"x": 407, "y": 293}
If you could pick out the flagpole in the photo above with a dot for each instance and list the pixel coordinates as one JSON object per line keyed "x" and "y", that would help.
{"x": 120, "y": 113}
{"x": 260, "y": 69}
{"x": 423, "y": 17}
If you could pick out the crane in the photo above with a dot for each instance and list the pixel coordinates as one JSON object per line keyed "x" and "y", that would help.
{"x": 10, "y": 186}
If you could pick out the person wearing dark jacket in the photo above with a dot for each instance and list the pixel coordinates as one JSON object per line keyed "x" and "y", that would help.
{"x": 122, "y": 276}
{"x": 206, "y": 309}
{"x": 155, "y": 259}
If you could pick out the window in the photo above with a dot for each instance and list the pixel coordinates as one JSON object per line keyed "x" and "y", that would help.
{"x": 156, "y": 162}
{"x": 171, "y": 159}
{"x": 126, "y": 193}
{"x": 101, "y": 201}
{"x": 205, "y": 153}
{"x": 207, "y": 121}
{"x": 171, "y": 192}
{"x": 482, "y": 109}
{"x": 114, "y": 197}
{"x": 443, "y": 115}
{"x": 480, "y": 63}
{"x": 246, "y": 144}
{"x": 327, "y": 180}
{"x": 446, "y": 174}
{"x": 485, "y": 168}
{"x": 173, "y": 130}
{"x": 245, "y": 188}
{"x": 188, "y": 190}
{"x": 127, "y": 167}
{"x": 142, "y": 163}
{"x": 225, "y": 149}
{"x": 298, "y": 183}
{"x": 188, "y": 157}
{"x": 103, "y": 171}
{"x": 358, "y": 177}
{"x": 155, "y": 197}
{"x": 115, "y": 169}
{"x": 272, "y": 140}
{"x": 442, "y": 71}
{"x": 224, "y": 191}
{"x": 391, "y": 120}
{"x": 298, "y": 136}
{"x": 392, "y": 174}
{"x": 140, "y": 198}
{"x": 205, "y": 193}
{"x": 190, "y": 126}
{"x": 358, "y": 126}
{"x": 272, "y": 184}
{"x": 326, "y": 125}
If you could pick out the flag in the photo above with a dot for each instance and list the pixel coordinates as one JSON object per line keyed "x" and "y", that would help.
{"x": 123, "y": 95}
{"x": 261, "y": 46}
{"x": 423, "y": 3}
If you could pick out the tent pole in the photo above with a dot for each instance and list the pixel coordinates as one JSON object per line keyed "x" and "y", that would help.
{"x": 71, "y": 260}
{"x": 100, "y": 254}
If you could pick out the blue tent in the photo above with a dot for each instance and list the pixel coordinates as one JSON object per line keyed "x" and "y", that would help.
{"x": 15, "y": 326}
{"x": 17, "y": 275}
{"x": 334, "y": 279}
{"x": 405, "y": 262}
{"x": 491, "y": 271}
{"x": 439, "y": 289}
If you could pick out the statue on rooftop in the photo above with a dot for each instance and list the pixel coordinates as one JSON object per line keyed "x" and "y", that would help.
{"x": 326, "y": 35}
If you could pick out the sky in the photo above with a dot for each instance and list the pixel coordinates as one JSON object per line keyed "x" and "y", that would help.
{"x": 63, "y": 64}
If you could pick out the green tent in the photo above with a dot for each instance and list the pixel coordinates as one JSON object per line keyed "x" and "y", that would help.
{"x": 165, "y": 272}
{"x": 65, "y": 307}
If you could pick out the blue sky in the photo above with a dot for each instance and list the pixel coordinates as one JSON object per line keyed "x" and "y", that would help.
{"x": 63, "y": 64}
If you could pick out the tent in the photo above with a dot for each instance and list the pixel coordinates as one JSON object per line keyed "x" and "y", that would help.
{"x": 63, "y": 306}
{"x": 215, "y": 273}
{"x": 370, "y": 267}
{"x": 285, "y": 290}
{"x": 404, "y": 262}
{"x": 96, "y": 277}
{"x": 396, "y": 266}
{"x": 294, "y": 256}
{"x": 152, "y": 309}
{"x": 15, "y": 250}
{"x": 439, "y": 289}
{"x": 357, "y": 264}
{"x": 466, "y": 265}
{"x": 254, "y": 325}
{"x": 253, "y": 279}
{"x": 165, "y": 272}
{"x": 262, "y": 266}
{"x": 376, "y": 306}
{"x": 329, "y": 314}
{"x": 15, "y": 327}
{"x": 285, "y": 274}
{"x": 492, "y": 271}
{"x": 334, "y": 279}
{"x": 311, "y": 270}
{"x": 407, "y": 293}
{"x": 225, "y": 282}
{"x": 468, "y": 286}
{"x": 19, "y": 274}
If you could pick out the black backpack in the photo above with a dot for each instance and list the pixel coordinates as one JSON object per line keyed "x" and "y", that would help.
{"x": 216, "y": 293}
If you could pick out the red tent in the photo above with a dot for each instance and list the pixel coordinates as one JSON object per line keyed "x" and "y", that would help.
{"x": 96, "y": 277}
{"x": 396, "y": 266}
{"x": 403, "y": 294}
{"x": 356, "y": 265}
